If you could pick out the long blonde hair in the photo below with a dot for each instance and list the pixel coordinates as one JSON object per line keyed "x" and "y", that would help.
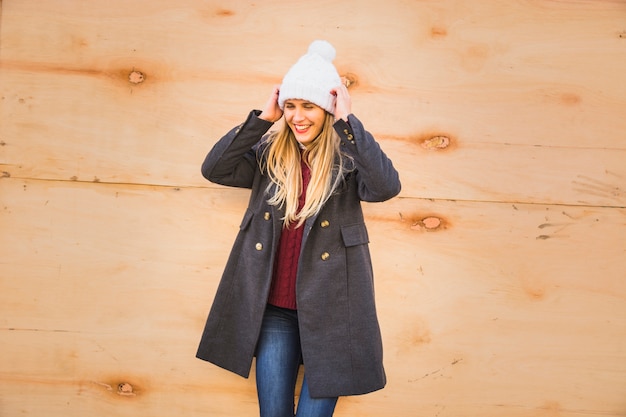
{"x": 283, "y": 165}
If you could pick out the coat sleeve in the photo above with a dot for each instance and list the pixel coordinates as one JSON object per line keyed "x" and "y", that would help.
{"x": 376, "y": 176}
{"x": 232, "y": 160}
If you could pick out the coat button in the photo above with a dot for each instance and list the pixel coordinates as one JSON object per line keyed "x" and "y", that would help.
{"x": 346, "y": 131}
{"x": 259, "y": 246}
{"x": 325, "y": 256}
{"x": 267, "y": 215}
{"x": 324, "y": 223}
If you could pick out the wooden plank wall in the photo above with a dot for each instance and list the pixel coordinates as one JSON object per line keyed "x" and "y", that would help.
{"x": 500, "y": 267}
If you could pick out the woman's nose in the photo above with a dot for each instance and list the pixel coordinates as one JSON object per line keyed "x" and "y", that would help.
{"x": 298, "y": 114}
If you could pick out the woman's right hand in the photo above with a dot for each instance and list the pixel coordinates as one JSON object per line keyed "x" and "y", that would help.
{"x": 272, "y": 111}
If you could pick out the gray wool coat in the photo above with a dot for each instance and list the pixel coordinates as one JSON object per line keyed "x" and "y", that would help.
{"x": 339, "y": 330}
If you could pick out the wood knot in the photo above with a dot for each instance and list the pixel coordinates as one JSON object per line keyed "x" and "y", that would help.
{"x": 136, "y": 77}
{"x": 436, "y": 142}
{"x": 225, "y": 13}
{"x": 428, "y": 223}
{"x": 124, "y": 388}
{"x": 431, "y": 223}
{"x": 349, "y": 80}
{"x": 438, "y": 32}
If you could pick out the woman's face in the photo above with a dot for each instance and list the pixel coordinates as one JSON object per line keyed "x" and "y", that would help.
{"x": 305, "y": 119}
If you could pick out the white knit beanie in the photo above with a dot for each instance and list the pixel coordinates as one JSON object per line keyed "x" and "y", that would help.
{"x": 312, "y": 77}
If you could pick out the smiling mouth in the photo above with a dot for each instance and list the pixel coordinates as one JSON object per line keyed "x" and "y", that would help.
{"x": 301, "y": 128}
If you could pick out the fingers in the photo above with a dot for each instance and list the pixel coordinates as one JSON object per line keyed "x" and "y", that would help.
{"x": 340, "y": 90}
{"x": 343, "y": 104}
{"x": 272, "y": 112}
{"x": 342, "y": 94}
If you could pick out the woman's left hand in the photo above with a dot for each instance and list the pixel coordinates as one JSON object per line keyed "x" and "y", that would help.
{"x": 343, "y": 106}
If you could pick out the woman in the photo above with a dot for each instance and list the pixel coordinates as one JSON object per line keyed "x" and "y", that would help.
{"x": 298, "y": 287}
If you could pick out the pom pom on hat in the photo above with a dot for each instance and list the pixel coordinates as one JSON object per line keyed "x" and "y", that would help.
{"x": 312, "y": 77}
{"x": 323, "y": 49}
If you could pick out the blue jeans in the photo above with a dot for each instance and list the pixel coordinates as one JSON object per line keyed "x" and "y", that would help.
{"x": 278, "y": 359}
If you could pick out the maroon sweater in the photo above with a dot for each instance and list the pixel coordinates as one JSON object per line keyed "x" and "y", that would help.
{"x": 283, "y": 289}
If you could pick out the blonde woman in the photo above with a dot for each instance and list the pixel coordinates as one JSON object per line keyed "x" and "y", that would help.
{"x": 298, "y": 288}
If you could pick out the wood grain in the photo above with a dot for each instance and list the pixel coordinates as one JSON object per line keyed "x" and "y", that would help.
{"x": 499, "y": 267}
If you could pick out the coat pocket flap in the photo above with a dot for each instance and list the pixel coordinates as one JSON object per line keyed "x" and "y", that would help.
{"x": 354, "y": 234}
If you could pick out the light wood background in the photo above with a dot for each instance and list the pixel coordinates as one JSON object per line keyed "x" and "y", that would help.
{"x": 500, "y": 267}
